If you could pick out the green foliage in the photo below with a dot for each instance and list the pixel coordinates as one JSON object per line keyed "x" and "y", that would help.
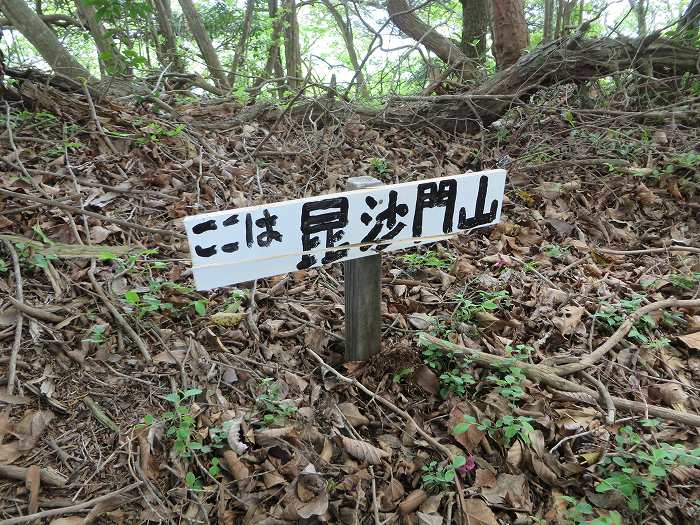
{"x": 379, "y": 165}
{"x": 180, "y": 428}
{"x": 3, "y": 266}
{"x": 511, "y": 376}
{"x": 268, "y": 400}
{"x": 486, "y": 302}
{"x": 96, "y": 335}
{"x": 579, "y": 512}
{"x": 146, "y": 303}
{"x": 507, "y": 427}
{"x": 153, "y": 133}
{"x": 613, "y": 315}
{"x": 636, "y": 468}
{"x": 685, "y": 282}
{"x": 441, "y": 475}
{"x": 429, "y": 259}
{"x": 401, "y": 375}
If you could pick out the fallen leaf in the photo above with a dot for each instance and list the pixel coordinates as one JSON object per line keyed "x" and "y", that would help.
{"x": 509, "y": 490}
{"x": 364, "y": 451}
{"x": 570, "y": 319}
{"x": 412, "y": 501}
{"x": 227, "y": 318}
{"x": 353, "y": 415}
{"x": 691, "y": 340}
{"x": 70, "y": 520}
{"x": 428, "y": 519}
{"x": 478, "y": 513}
{"x": 428, "y": 380}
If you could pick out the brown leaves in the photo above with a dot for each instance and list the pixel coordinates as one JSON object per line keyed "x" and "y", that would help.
{"x": 307, "y": 495}
{"x": 28, "y": 431}
{"x": 570, "y": 320}
{"x": 364, "y": 451}
{"x": 478, "y": 513}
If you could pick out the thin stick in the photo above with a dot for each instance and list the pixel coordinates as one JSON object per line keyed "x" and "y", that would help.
{"x": 12, "y": 366}
{"x": 396, "y": 410}
{"x": 548, "y": 376}
{"x": 674, "y": 248}
{"x": 75, "y": 209}
{"x": 118, "y": 316}
{"x": 604, "y": 397}
{"x": 72, "y": 508}
{"x": 96, "y": 120}
{"x": 37, "y": 313}
{"x": 621, "y": 332}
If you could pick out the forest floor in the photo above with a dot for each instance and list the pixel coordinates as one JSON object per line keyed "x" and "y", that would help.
{"x": 233, "y": 420}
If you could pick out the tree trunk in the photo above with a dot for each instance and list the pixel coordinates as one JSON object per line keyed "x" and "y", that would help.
{"x": 164, "y": 17}
{"x": 691, "y": 17}
{"x": 194, "y": 22}
{"x": 44, "y": 40}
{"x": 346, "y": 32}
{"x": 292, "y": 47}
{"x": 547, "y": 29}
{"x": 640, "y": 8}
{"x": 110, "y": 59}
{"x": 241, "y": 48}
{"x": 475, "y": 25}
{"x": 406, "y": 20}
{"x": 510, "y": 34}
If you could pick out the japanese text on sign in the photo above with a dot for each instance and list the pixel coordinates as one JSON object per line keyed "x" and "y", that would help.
{"x": 239, "y": 245}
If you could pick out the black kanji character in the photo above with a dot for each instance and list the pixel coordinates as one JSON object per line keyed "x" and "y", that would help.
{"x": 389, "y": 215}
{"x": 479, "y": 217}
{"x": 331, "y": 223}
{"x": 434, "y": 195}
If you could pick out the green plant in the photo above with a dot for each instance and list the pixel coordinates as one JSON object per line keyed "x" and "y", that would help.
{"x": 3, "y": 266}
{"x": 685, "y": 282}
{"x": 379, "y": 165}
{"x": 580, "y": 511}
{"x": 441, "y": 475}
{"x": 613, "y": 315}
{"x": 636, "y": 468}
{"x": 556, "y": 251}
{"x": 401, "y": 375}
{"x": 429, "y": 259}
{"x": 180, "y": 426}
{"x": 146, "y": 303}
{"x": 269, "y": 401}
{"x": 455, "y": 381}
{"x": 509, "y": 426}
{"x": 200, "y": 307}
{"x": 487, "y": 301}
{"x": 235, "y": 300}
{"x": 96, "y": 335}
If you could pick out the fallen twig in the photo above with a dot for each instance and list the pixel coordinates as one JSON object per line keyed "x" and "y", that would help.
{"x": 12, "y": 366}
{"x": 48, "y": 476}
{"x": 75, "y": 209}
{"x": 673, "y": 248}
{"x": 117, "y": 315}
{"x": 396, "y": 410}
{"x": 548, "y": 376}
{"x": 621, "y": 332}
{"x": 37, "y": 313}
{"x": 72, "y": 508}
{"x": 604, "y": 397}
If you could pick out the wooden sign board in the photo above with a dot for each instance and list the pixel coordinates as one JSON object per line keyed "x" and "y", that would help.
{"x": 239, "y": 245}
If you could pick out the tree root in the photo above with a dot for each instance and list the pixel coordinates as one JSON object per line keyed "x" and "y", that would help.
{"x": 550, "y": 376}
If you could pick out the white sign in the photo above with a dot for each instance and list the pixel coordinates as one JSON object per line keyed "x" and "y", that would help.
{"x": 234, "y": 246}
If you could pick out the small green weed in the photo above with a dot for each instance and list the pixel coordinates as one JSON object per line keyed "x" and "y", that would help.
{"x": 509, "y": 426}
{"x": 636, "y": 468}
{"x": 96, "y": 335}
{"x": 429, "y": 259}
{"x": 146, "y": 303}
{"x": 613, "y": 315}
{"x": 268, "y": 400}
{"x": 579, "y": 512}
{"x": 685, "y": 282}
{"x": 379, "y": 165}
{"x": 3, "y": 266}
{"x": 486, "y": 302}
{"x": 180, "y": 426}
{"x": 401, "y": 375}
{"x": 511, "y": 375}
{"x": 437, "y": 474}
